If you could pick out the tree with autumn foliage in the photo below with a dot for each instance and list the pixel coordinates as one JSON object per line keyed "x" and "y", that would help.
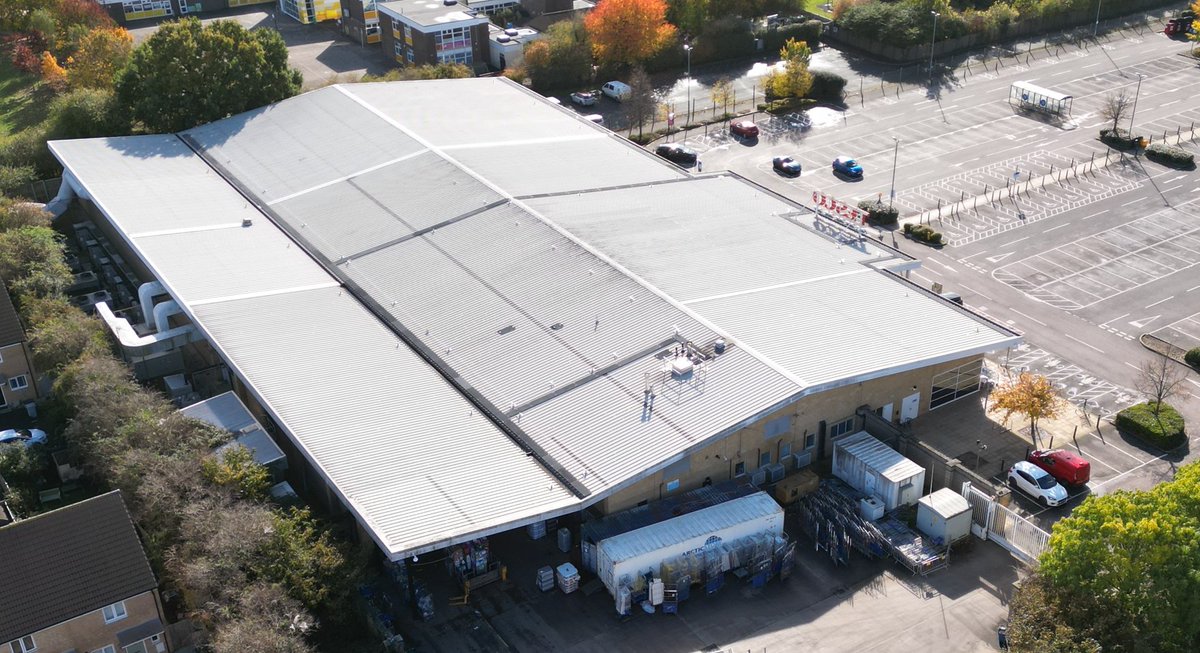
{"x": 1031, "y": 395}
{"x": 101, "y": 55}
{"x": 793, "y": 80}
{"x": 626, "y": 32}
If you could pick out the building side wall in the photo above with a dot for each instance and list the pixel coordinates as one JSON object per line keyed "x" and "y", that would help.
{"x": 17, "y": 362}
{"x": 808, "y": 424}
{"x": 88, "y": 632}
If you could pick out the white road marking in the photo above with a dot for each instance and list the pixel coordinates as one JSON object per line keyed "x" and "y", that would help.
{"x": 1095, "y": 214}
{"x": 963, "y": 259}
{"x": 932, "y": 260}
{"x": 1083, "y": 343}
{"x": 1058, "y": 227}
{"x": 1133, "y": 366}
{"x": 1159, "y": 302}
{"x": 1192, "y": 288}
{"x": 1026, "y": 316}
{"x": 1133, "y": 201}
{"x": 1015, "y": 241}
{"x": 1114, "y": 319}
{"x": 972, "y": 290}
{"x": 1130, "y": 471}
{"x": 1141, "y": 324}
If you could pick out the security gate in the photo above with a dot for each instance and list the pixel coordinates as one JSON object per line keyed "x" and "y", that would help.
{"x": 1002, "y": 525}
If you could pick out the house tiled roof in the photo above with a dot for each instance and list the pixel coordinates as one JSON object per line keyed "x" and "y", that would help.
{"x": 69, "y": 562}
{"x": 10, "y": 325}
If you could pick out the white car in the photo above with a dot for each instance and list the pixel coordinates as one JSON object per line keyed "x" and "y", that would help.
{"x": 28, "y": 437}
{"x": 585, "y": 98}
{"x": 595, "y": 117}
{"x": 1037, "y": 483}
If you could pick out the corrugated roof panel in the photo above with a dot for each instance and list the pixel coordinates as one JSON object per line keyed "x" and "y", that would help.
{"x": 431, "y": 110}
{"x": 514, "y": 306}
{"x": 301, "y": 142}
{"x": 155, "y": 183}
{"x": 232, "y": 261}
{"x": 224, "y": 411}
{"x": 566, "y": 165}
{"x": 878, "y": 456}
{"x": 602, "y": 433}
{"x": 381, "y": 205}
{"x": 700, "y": 238}
{"x": 696, "y": 524}
{"x": 387, "y": 438}
{"x": 844, "y": 327}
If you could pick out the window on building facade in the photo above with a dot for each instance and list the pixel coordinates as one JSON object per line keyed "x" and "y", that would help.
{"x": 408, "y": 55}
{"x": 764, "y": 459}
{"x": 785, "y": 449}
{"x": 777, "y": 427}
{"x": 456, "y": 38}
{"x": 841, "y": 428}
{"x": 107, "y": 649}
{"x": 739, "y": 469}
{"x": 138, "y": 647}
{"x": 18, "y": 382}
{"x": 955, "y": 384}
{"x": 23, "y": 645}
{"x": 114, "y": 612}
{"x": 135, "y": 9}
{"x": 456, "y": 57}
{"x": 810, "y": 440}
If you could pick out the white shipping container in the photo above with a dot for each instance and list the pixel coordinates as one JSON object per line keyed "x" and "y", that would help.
{"x": 634, "y": 553}
{"x": 873, "y": 468}
{"x": 944, "y": 516}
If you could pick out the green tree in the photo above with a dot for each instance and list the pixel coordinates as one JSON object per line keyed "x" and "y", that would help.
{"x": 60, "y": 333}
{"x": 188, "y": 74}
{"x": 86, "y": 113}
{"x": 31, "y": 261}
{"x": 15, "y": 214}
{"x": 427, "y": 71}
{"x": 723, "y": 94}
{"x": 562, "y": 59}
{"x": 22, "y": 470}
{"x": 235, "y": 468}
{"x": 641, "y": 101}
{"x": 303, "y": 557}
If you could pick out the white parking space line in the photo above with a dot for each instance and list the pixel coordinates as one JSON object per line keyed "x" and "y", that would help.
{"x": 1133, "y": 201}
{"x": 1130, "y": 471}
{"x": 1083, "y": 343}
{"x": 1015, "y": 241}
{"x": 1095, "y": 214}
{"x": 1114, "y": 319}
{"x": 1159, "y": 302}
{"x": 1026, "y": 316}
{"x": 1192, "y": 288}
{"x": 1058, "y": 227}
{"x": 975, "y": 292}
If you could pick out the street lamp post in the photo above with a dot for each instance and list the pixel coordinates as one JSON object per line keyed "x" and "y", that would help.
{"x": 1134, "y": 109}
{"x": 895, "y": 156}
{"x": 932, "y": 42}
{"x": 687, "y": 48}
{"x": 1096, "y": 27}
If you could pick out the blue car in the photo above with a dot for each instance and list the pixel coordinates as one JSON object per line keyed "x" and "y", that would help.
{"x": 848, "y": 167}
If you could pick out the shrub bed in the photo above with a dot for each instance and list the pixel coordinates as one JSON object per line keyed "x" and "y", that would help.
{"x": 879, "y": 213}
{"x": 924, "y": 233}
{"x": 1170, "y": 156}
{"x": 1164, "y": 430}
{"x": 827, "y": 86}
{"x": 1118, "y": 138}
{"x": 1192, "y": 357}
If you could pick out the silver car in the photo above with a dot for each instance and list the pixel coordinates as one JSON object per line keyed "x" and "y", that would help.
{"x": 1037, "y": 483}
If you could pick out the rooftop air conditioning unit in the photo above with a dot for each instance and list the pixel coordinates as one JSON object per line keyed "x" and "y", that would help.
{"x": 759, "y": 477}
{"x": 511, "y": 32}
{"x": 681, "y": 366}
{"x": 503, "y": 38}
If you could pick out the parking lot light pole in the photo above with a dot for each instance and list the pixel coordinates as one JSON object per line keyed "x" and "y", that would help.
{"x": 687, "y": 48}
{"x": 1133, "y": 111}
{"x": 932, "y": 42}
{"x": 1096, "y": 27}
{"x": 895, "y": 155}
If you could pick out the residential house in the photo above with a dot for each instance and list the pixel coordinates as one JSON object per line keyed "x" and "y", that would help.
{"x": 77, "y": 579}
{"x": 17, "y": 380}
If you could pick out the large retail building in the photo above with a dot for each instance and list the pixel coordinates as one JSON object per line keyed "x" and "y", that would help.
{"x": 461, "y": 323}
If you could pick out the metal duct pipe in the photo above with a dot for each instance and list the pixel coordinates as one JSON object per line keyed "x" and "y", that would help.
{"x": 135, "y": 345}
{"x": 146, "y": 293}
{"x": 162, "y": 313}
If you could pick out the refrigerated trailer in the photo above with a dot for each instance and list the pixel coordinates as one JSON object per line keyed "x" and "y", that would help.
{"x": 875, "y": 469}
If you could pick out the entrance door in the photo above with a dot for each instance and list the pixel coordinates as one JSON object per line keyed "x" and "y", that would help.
{"x": 909, "y": 406}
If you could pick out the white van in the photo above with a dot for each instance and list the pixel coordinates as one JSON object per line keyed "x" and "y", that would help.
{"x": 618, "y": 91}
{"x": 595, "y": 117}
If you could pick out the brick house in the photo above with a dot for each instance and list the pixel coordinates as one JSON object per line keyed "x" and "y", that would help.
{"x": 77, "y": 579}
{"x": 17, "y": 380}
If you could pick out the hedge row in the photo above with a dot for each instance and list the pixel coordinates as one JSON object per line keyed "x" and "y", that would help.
{"x": 924, "y": 233}
{"x": 1192, "y": 357}
{"x": 880, "y": 213}
{"x": 1171, "y": 156}
{"x": 1164, "y": 430}
{"x": 1118, "y": 138}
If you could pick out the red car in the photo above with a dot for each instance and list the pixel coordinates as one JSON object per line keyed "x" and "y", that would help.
{"x": 744, "y": 128}
{"x": 1068, "y": 468}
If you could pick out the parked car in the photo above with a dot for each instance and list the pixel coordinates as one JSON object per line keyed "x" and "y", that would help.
{"x": 28, "y": 437}
{"x": 618, "y": 91}
{"x": 744, "y": 128}
{"x": 1037, "y": 483}
{"x": 954, "y": 297}
{"x": 553, "y": 100}
{"x": 585, "y": 98}
{"x": 844, "y": 165}
{"x": 1067, "y": 468}
{"x": 786, "y": 165}
{"x": 676, "y": 153}
{"x": 595, "y": 117}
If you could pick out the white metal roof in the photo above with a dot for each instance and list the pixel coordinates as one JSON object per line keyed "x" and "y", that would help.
{"x": 878, "y": 456}
{"x": 692, "y": 525}
{"x": 946, "y": 502}
{"x": 224, "y": 411}
{"x": 404, "y": 268}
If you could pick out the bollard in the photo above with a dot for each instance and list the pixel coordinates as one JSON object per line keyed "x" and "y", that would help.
{"x": 1074, "y": 440}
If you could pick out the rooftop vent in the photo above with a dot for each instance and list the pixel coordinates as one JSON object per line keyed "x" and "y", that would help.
{"x": 511, "y": 32}
{"x": 503, "y": 38}
{"x": 681, "y": 366}
{"x": 556, "y": 326}
{"x": 719, "y": 346}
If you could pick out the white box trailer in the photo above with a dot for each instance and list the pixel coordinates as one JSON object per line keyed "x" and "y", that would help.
{"x": 944, "y": 516}
{"x": 642, "y": 550}
{"x": 875, "y": 469}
